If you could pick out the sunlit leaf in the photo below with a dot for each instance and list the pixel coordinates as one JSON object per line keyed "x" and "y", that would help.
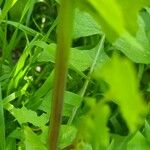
{"x": 113, "y": 15}
{"x": 84, "y": 25}
{"x": 32, "y": 141}
{"x": 24, "y": 115}
{"x": 94, "y": 127}
{"x": 138, "y": 48}
{"x": 121, "y": 76}
{"x": 67, "y": 135}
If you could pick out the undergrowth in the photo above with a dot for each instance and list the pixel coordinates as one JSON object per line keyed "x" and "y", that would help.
{"x": 74, "y": 75}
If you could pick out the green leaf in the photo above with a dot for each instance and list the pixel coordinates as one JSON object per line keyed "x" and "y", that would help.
{"x": 121, "y": 76}
{"x": 83, "y": 146}
{"x": 138, "y": 142}
{"x": 147, "y": 130}
{"x": 84, "y": 25}
{"x": 93, "y": 128}
{"x": 121, "y": 18}
{"x": 22, "y": 27}
{"x": 11, "y": 144}
{"x": 80, "y": 60}
{"x": 24, "y": 115}
{"x": 2, "y": 123}
{"x": 66, "y": 138}
{"x": 67, "y": 135}
{"x": 71, "y": 100}
{"x": 32, "y": 141}
{"x": 8, "y": 4}
{"x": 138, "y": 48}
{"x": 125, "y": 28}
{"x": 16, "y": 11}
{"x": 119, "y": 142}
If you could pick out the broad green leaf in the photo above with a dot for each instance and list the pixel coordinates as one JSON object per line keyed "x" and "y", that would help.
{"x": 80, "y": 60}
{"x": 138, "y": 48}
{"x": 66, "y": 138}
{"x": 116, "y": 17}
{"x": 24, "y": 115}
{"x": 84, "y": 25}
{"x": 125, "y": 28}
{"x": 32, "y": 141}
{"x": 67, "y": 135}
{"x": 71, "y": 100}
{"x": 138, "y": 142}
{"x": 121, "y": 76}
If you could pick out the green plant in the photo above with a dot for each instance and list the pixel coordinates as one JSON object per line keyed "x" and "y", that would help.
{"x": 74, "y": 75}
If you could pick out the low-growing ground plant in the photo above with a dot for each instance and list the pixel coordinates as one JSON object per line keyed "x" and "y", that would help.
{"x": 74, "y": 75}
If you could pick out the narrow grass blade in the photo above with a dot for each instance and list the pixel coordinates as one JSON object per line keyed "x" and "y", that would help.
{"x": 2, "y": 124}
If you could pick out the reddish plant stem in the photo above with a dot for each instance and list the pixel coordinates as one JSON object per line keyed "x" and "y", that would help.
{"x": 64, "y": 31}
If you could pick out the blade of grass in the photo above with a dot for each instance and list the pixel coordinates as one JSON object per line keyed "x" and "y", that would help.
{"x": 2, "y": 124}
{"x": 65, "y": 25}
{"x": 18, "y": 72}
{"x": 22, "y": 27}
{"x": 140, "y": 71}
{"x": 83, "y": 90}
{"x": 12, "y": 43}
{"x": 8, "y": 4}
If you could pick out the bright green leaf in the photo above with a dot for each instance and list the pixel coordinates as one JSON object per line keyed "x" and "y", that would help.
{"x": 32, "y": 141}
{"x": 84, "y": 25}
{"x": 94, "y": 126}
{"x": 24, "y": 115}
{"x": 121, "y": 76}
{"x": 115, "y": 17}
{"x": 67, "y": 135}
{"x": 138, "y": 48}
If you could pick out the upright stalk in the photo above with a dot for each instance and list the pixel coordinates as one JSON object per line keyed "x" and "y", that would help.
{"x": 86, "y": 83}
{"x": 65, "y": 23}
{"x": 2, "y": 124}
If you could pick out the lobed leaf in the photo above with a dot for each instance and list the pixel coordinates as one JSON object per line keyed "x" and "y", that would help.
{"x": 24, "y": 115}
